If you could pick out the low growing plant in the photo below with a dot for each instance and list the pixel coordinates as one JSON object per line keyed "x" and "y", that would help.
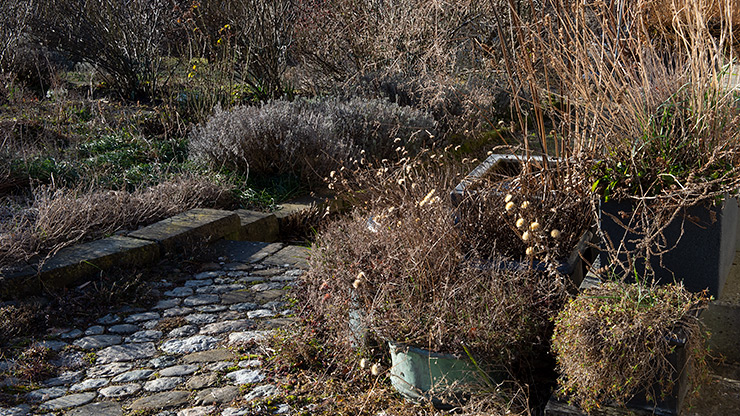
{"x": 613, "y": 341}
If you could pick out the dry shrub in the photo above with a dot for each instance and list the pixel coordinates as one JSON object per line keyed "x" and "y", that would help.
{"x": 550, "y": 211}
{"x": 62, "y": 217}
{"x": 399, "y": 267}
{"x": 613, "y": 341}
{"x": 309, "y": 137}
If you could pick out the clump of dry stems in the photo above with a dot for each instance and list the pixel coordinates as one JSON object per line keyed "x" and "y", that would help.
{"x": 613, "y": 342}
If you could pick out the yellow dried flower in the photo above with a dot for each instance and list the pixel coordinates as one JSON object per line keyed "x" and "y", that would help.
{"x": 520, "y": 223}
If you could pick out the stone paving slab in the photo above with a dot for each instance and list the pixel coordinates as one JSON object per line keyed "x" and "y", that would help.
{"x": 199, "y": 225}
{"x": 290, "y": 256}
{"x": 73, "y": 263}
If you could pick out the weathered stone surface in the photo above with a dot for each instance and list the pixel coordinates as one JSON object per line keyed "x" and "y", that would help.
{"x": 97, "y": 409}
{"x": 97, "y": 341}
{"x": 163, "y": 383}
{"x": 89, "y": 384}
{"x": 219, "y": 366}
{"x": 176, "y": 311}
{"x": 162, "y": 361}
{"x": 217, "y": 395}
{"x": 243, "y": 307}
{"x": 66, "y": 378}
{"x": 198, "y": 282}
{"x": 237, "y": 296}
{"x": 264, "y": 391}
{"x": 261, "y": 287}
{"x": 108, "y": 370}
{"x": 134, "y": 375}
{"x": 221, "y": 354}
{"x": 20, "y": 410}
{"x": 191, "y": 344}
{"x": 258, "y": 226}
{"x": 202, "y": 299}
{"x": 211, "y": 308}
{"x": 269, "y": 295}
{"x": 95, "y": 330}
{"x": 141, "y": 317}
{"x": 196, "y": 411}
{"x": 128, "y": 352}
{"x": 41, "y": 395}
{"x": 179, "y": 370}
{"x": 236, "y": 411}
{"x": 249, "y": 363}
{"x": 72, "y": 400}
{"x": 150, "y": 324}
{"x": 75, "y": 262}
{"x": 208, "y": 275}
{"x": 179, "y": 292}
{"x": 183, "y": 331}
{"x": 196, "y": 226}
{"x": 260, "y": 313}
{"x": 245, "y": 376}
{"x": 200, "y": 381}
{"x": 223, "y": 288}
{"x": 247, "y": 337}
{"x": 227, "y": 326}
{"x": 164, "y": 400}
{"x": 109, "y": 319}
{"x": 230, "y": 315}
{"x": 51, "y": 344}
{"x": 75, "y": 333}
{"x": 245, "y": 251}
{"x": 116, "y": 392}
{"x": 124, "y": 329}
{"x": 289, "y": 256}
{"x": 168, "y": 303}
{"x": 145, "y": 336}
{"x": 201, "y": 318}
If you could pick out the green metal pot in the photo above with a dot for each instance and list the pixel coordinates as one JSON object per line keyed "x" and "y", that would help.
{"x": 420, "y": 374}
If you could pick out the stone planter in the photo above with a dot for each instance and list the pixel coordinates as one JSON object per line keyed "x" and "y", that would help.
{"x": 420, "y": 374}
{"x": 703, "y": 255}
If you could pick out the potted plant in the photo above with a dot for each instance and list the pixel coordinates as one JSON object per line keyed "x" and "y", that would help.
{"x": 424, "y": 299}
{"x": 626, "y": 344}
{"x": 652, "y": 108}
{"x": 515, "y": 206}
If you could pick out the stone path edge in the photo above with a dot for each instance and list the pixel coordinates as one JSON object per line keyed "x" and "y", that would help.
{"x": 146, "y": 246}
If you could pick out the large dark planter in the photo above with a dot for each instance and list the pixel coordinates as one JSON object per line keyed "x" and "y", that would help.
{"x": 703, "y": 255}
{"x": 580, "y": 259}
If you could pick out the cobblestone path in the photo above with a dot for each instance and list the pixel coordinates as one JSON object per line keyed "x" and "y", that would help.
{"x": 178, "y": 357}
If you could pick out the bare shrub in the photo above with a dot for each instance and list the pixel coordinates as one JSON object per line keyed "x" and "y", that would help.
{"x": 309, "y": 137}
{"x": 60, "y": 217}
{"x": 125, "y": 39}
{"x": 613, "y": 342}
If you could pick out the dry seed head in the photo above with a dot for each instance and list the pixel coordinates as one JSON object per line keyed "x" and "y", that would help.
{"x": 363, "y": 363}
{"x": 534, "y": 226}
{"x": 555, "y": 233}
{"x": 375, "y": 369}
{"x": 520, "y": 223}
{"x": 357, "y": 283}
{"x": 509, "y": 206}
{"x": 525, "y": 236}
{"x": 525, "y": 204}
{"x": 508, "y": 197}
{"x": 529, "y": 251}
{"x": 332, "y": 173}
